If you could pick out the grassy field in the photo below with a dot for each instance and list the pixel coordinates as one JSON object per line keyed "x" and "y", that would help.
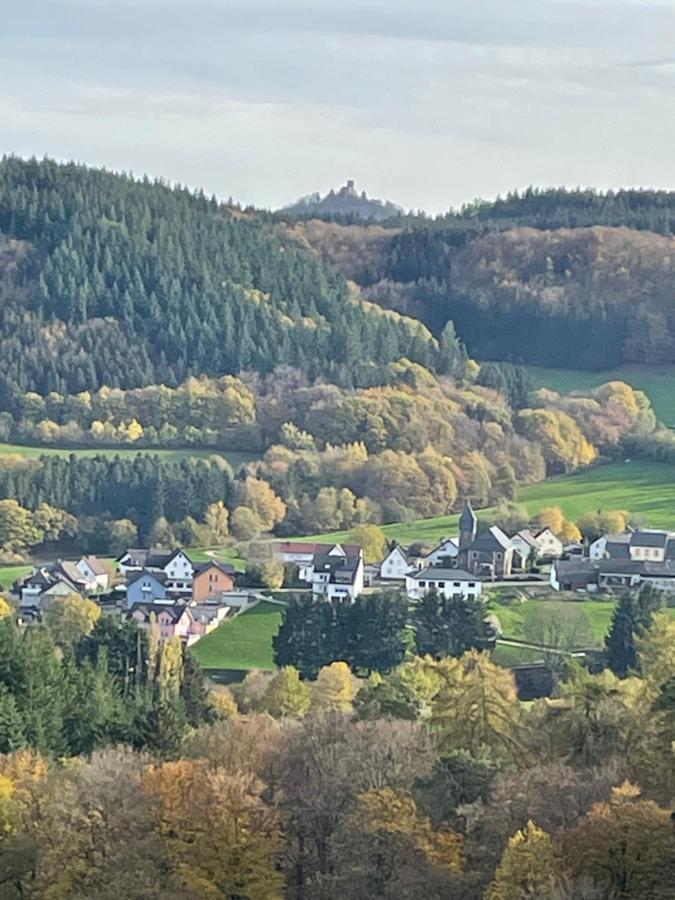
{"x": 10, "y": 574}
{"x": 246, "y": 641}
{"x": 513, "y": 618}
{"x": 641, "y": 487}
{"x": 235, "y": 459}
{"x": 658, "y": 382}
{"x": 221, "y": 554}
{"x": 243, "y": 643}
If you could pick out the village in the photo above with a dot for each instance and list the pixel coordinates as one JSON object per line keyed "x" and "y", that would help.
{"x": 189, "y": 599}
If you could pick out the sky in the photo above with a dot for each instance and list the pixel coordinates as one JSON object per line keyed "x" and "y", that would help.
{"x": 428, "y": 103}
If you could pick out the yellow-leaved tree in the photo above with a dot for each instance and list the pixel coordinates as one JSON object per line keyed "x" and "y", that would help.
{"x": 476, "y": 705}
{"x": 72, "y": 618}
{"x": 395, "y": 814}
{"x": 286, "y": 694}
{"x": 528, "y": 869}
{"x": 222, "y": 840}
{"x": 333, "y": 690}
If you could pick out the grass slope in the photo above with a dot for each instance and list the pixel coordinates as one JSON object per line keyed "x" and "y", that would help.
{"x": 641, "y": 487}
{"x": 235, "y": 458}
{"x": 658, "y": 382}
{"x": 243, "y": 643}
{"x": 514, "y": 617}
{"x": 10, "y": 574}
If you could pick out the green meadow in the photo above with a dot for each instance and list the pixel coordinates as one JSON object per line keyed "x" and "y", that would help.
{"x": 644, "y": 488}
{"x": 243, "y": 643}
{"x": 658, "y": 382}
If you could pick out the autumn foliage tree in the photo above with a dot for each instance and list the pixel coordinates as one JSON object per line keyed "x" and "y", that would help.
{"x": 220, "y": 836}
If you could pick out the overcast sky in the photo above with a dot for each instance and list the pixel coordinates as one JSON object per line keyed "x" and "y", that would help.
{"x": 429, "y": 103}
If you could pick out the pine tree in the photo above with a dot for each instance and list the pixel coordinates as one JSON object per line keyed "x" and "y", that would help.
{"x": 430, "y": 636}
{"x": 632, "y": 616}
{"x": 12, "y": 733}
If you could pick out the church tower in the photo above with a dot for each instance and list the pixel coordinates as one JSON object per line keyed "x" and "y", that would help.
{"x": 468, "y": 524}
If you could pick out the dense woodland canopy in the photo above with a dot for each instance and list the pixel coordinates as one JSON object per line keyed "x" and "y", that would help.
{"x": 554, "y": 277}
{"x": 106, "y": 280}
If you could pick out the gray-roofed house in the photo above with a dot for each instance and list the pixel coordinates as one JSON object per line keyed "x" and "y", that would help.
{"x": 644, "y": 545}
{"x": 95, "y": 571}
{"x": 648, "y": 545}
{"x": 175, "y": 564}
{"x": 173, "y": 619}
{"x": 443, "y": 553}
{"x": 612, "y": 574}
{"x": 608, "y": 544}
{"x": 550, "y": 545}
{"x": 490, "y": 554}
{"x": 336, "y": 577}
{"x": 46, "y": 584}
{"x": 575, "y": 575}
{"x": 447, "y": 582}
{"x": 147, "y": 587}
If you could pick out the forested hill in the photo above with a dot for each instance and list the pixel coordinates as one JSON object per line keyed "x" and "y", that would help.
{"x": 107, "y": 280}
{"x": 564, "y": 278}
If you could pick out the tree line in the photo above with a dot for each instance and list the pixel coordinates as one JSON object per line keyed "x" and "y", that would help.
{"x": 336, "y": 458}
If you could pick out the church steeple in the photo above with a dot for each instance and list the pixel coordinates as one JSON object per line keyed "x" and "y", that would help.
{"x": 468, "y": 524}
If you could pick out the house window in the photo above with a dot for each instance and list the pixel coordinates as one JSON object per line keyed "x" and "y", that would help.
{"x": 441, "y": 584}
{"x": 423, "y": 584}
{"x": 472, "y": 584}
{"x": 456, "y": 584}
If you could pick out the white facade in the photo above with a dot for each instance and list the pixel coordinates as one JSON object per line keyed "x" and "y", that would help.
{"x": 446, "y": 582}
{"x": 95, "y": 582}
{"x": 549, "y": 543}
{"x": 447, "y": 548}
{"x": 179, "y": 572}
{"x": 339, "y": 585}
{"x": 647, "y": 554}
{"x": 395, "y": 565}
{"x": 597, "y": 548}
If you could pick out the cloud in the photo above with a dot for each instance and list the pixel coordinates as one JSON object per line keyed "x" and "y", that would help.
{"x": 429, "y": 102}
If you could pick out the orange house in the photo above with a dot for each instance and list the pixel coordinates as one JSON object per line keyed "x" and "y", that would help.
{"x": 211, "y": 579}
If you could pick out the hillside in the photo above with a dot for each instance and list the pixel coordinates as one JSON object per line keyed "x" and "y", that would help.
{"x": 591, "y": 297}
{"x": 345, "y": 203}
{"x": 107, "y": 280}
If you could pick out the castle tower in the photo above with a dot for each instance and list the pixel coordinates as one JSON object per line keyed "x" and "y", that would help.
{"x": 468, "y": 524}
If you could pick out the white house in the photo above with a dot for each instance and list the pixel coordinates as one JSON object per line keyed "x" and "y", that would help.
{"x": 526, "y": 544}
{"x": 95, "y": 572}
{"x": 447, "y": 549}
{"x": 549, "y": 544}
{"x": 446, "y": 582}
{"x": 336, "y": 576}
{"x": 647, "y": 545}
{"x": 178, "y": 568}
{"x": 175, "y": 564}
{"x": 395, "y": 565}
